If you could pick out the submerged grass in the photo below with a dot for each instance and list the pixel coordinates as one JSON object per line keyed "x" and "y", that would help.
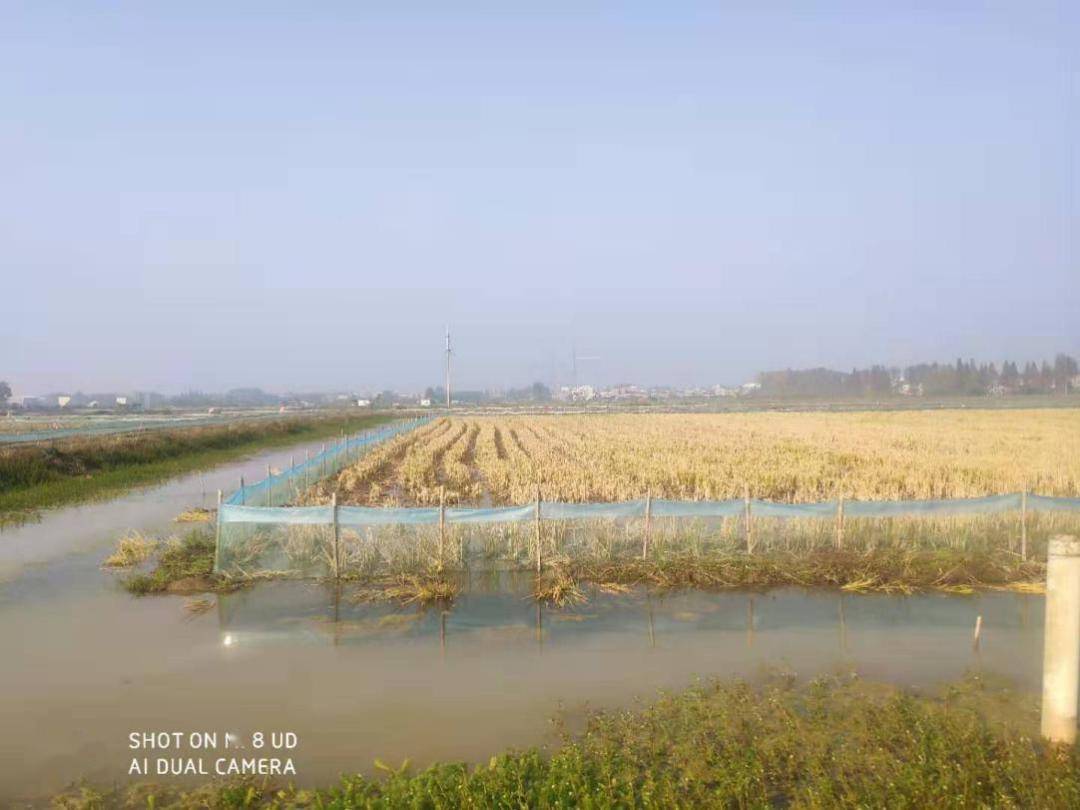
{"x": 419, "y": 577}
{"x": 44, "y": 475}
{"x": 424, "y": 589}
{"x": 195, "y": 515}
{"x": 131, "y": 549}
{"x": 184, "y": 565}
{"x": 830, "y": 743}
{"x": 883, "y": 570}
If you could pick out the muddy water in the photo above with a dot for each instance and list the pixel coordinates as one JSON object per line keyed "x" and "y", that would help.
{"x": 94, "y": 526}
{"x": 83, "y": 664}
{"x": 356, "y": 681}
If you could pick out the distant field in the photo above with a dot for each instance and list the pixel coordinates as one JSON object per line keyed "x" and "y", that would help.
{"x": 792, "y": 457}
{"x": 68, "y": 470}
{"x": 48, "y": 427}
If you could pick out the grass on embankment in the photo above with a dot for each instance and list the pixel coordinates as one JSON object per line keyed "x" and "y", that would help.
{"x": 831, "y": 743}
{"x": 39, "y": 476}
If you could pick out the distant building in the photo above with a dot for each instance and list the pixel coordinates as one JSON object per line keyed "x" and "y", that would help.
{"x": 751, "y": 387}
{"x": 425, "y": 403}
{"x": 363, "y": 403}
{"x": 92, "y": 404}
{"x": 582, "y": 393}
{"x": 63, "y": 401}
{"x": 122, "y": 402}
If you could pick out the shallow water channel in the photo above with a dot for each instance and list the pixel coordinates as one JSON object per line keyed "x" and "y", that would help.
{"x": 84, "y": 664}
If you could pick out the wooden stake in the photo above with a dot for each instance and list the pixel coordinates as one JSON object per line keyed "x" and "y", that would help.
{"x": 648, "y": 524}
{"x": 840, "y": 522}
{"x": 269, "y": 487}
{"x": 442, "y": 523}
{"x": 243, "y": 497}
{"x": 337, "y": 558}
{"x": 978, "y": 632}
{"x": 1023, "y": 525}
{"x": 217, "y": 537}
{"x": 539, "y": 554}
{"x": 749, "y": 524}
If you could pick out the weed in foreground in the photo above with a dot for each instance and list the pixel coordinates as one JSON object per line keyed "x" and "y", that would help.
{"x": 830, "y": 743}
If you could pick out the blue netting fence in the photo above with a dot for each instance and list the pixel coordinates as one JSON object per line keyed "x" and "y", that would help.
{"x": 283, "y": 487}
{"x": 354, "y": 540}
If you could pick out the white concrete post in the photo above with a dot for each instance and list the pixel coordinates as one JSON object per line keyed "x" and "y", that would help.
{"x": 1061, "y": 640}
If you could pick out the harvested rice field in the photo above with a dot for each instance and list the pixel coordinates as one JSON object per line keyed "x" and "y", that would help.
{"x": 787, "y": 457}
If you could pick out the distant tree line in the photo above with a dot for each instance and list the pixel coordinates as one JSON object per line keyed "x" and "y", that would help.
{"x": 928, "y": 379}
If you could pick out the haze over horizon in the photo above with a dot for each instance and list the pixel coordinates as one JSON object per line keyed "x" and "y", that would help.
{"x": 294, "y": 198}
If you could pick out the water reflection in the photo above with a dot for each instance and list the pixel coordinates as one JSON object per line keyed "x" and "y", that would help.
{"x": 359, "y": 680}
{"x": 495, "y": 609}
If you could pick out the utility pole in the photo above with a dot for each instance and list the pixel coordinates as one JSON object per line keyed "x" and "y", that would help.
{"x": 448, "y": 367}
{"x": 574, "y": 357}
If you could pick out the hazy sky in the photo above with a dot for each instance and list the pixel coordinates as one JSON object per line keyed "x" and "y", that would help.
{"x": 299, "y": 195}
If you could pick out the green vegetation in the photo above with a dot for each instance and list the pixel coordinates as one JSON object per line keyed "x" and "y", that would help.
{"x": 67, "y": 471}
{"x": 831, "y": 743}
{"x": 185, "y": 565}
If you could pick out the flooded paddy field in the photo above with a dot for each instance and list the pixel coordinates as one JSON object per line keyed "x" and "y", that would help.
{"x": 356, "y": 681}
{"x": 85, "y": 663}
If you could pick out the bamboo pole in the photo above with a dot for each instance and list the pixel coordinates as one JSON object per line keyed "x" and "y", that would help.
{"x": 1023, "y": 525}
{"x": 217, "y": 537}
{"x": 978, "y": 632}
{"x": 648, "y": 525}
{"x": 539, "y": 553}
{"x": 840, "y": 522}
{"x": 442, "y": 523}
{"x": 269, "y": 487}
{"x": 1061, "y": 640}
{"x": 749, "y": 524}
{"x": 337, "y": 558}
{"x": 243, "y": 496}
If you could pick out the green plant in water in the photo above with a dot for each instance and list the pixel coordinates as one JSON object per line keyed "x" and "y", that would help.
{"x": 187, "y": 562}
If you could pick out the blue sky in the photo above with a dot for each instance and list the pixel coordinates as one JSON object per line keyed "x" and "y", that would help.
{"x": 301, "y": 195}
